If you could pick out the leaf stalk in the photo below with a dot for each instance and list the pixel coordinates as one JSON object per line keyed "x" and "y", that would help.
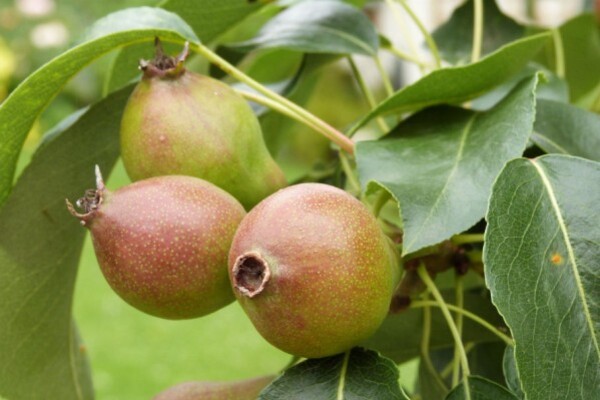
{"x": 424, "y": 275}
{"x": 477, "y": 30}
{"x": 327, "y": 130}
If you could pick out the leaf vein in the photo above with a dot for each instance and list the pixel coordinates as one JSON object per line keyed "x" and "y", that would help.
{"x": 570, "y": 251}
{"x": 459, "y": 155}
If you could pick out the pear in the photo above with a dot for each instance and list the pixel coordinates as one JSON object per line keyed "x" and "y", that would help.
{"x": 248, "y": 389}
{"x": 162, "y": 243}
{"x": 177, "y": 122}
{"x": 313, "y": 270}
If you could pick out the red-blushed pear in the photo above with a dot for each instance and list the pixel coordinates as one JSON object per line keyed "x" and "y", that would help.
{"x": 313, "y": 270}
{"x": 162, "y": 243}
{"x": 236, "y": 390}
{"x": 177, "y": 122}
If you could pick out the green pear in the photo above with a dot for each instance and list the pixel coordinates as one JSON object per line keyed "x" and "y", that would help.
{"x": 177, "y": 122}
{"x": 236, "y": 390}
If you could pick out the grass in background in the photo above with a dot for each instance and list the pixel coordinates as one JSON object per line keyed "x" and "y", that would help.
{"x": 134, "y": 356}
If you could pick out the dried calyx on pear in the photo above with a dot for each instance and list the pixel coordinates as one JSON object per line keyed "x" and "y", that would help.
{"x": 162, "y": 243}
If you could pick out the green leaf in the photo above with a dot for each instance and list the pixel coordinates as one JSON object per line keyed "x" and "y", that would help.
{"x": 455, "y": 38}
{"x": 211, "y": 18}
{"x": 511, "y": 374}
{"x": 566, "y": 129}
{"x": 541, "y": 264}
{"x": 208, "y": 18}
{"x": 399, "y": 337}
{"x": 356, "y": 374}
{"x": 549, "y": 88}
{"x": 480, "y": 389}
{"x": 123, "y": 27}
{"x": 40, "y": 245}
{"x": 28, "y": 100}
{"x": 459, "y": 84}
{"x": 581, "y": 44}
{"x": 485, "y": 360}
{"x": 440, "y": 163}
{"x": 325, "y": 26}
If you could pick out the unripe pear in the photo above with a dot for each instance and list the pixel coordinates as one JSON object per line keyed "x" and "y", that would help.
{"x": 162, "y": 243}
{"x": 237, "y": 390}
{"x": 177, "y": 122}
{"x": 313, "y": 270}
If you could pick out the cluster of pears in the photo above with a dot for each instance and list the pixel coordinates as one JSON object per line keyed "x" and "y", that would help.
{"x": 208, "y": 220}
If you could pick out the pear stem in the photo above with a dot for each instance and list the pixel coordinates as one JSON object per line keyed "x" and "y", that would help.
{"x": 424, "y": 275}
{"x": 559, "y": 53}
{"x": 477, "y": 30}
{"x": 428, "y": 38}
{"x": 275, "y": 106}
{"x": 428, "y": 303}
{"x": 162, "y": 65}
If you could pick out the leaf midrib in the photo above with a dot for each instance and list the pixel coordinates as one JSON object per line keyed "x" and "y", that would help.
{"x": 342, "y": 383}
{"x": 459, "y": 155}
{"x": 571, "y": 253}
{"x": 535, "y": 136}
